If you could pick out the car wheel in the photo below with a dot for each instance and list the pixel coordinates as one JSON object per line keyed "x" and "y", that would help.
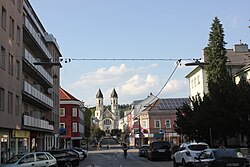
{"x": 68, "y": 164}
{"x": 183, "y": 164}
{"x": 175, "y": 164}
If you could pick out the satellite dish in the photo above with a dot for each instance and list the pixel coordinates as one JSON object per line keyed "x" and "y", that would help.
{"x": 50, "y": 90}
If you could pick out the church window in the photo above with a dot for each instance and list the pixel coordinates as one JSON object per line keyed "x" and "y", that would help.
{"x": 107, "y": 122}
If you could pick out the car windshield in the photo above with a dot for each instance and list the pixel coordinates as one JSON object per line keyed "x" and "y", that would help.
{"x": 198, "y": 147}
{"x": 225, "y": 154}
{"x": 14, "y": 159}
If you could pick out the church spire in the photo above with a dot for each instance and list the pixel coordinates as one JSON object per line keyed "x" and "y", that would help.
{"x": 114, "y": 94}
{"x": 99, "y": 94}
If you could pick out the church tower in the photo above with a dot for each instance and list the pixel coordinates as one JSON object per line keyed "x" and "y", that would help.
{"x": 114, "y": 104}
{"x": 99, "y": 104}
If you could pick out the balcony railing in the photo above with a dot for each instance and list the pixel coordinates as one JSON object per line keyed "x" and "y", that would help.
{"x": 37, "y": 37}
{"x": 37, "y": 123}
{"x": 36, "y": 94}
{"x": 40, "y": 69}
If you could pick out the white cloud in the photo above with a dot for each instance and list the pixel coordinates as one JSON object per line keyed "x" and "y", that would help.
{"x": 113, "y": 74}
{"x": 138, "y": 85}
{"x": 175, "y": 86}
{"x": 101, "y": 76}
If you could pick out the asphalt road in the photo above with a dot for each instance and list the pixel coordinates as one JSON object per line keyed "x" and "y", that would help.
{"x": 114, "y": 158}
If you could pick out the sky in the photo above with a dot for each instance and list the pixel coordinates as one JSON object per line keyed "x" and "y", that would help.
{"x": 136, "y": 29}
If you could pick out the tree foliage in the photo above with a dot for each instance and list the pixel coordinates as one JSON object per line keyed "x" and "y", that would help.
{"x": 225, "y": 110}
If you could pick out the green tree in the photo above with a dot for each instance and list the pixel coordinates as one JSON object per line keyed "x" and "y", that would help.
{"x": 220, "y": 84}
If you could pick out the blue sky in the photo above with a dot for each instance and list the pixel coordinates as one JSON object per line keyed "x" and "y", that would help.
{"x": 97, "y": 29}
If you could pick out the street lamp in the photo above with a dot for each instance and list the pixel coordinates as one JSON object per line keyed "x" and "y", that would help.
{"x": 138, "y": 119}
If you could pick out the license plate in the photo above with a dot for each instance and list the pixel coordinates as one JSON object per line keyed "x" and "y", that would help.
{"x": 161, "y": 150}
{"x": 233, "y": 164}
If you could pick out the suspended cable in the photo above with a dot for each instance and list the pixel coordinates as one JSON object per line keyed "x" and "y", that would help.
{"x": 66, "y": 60}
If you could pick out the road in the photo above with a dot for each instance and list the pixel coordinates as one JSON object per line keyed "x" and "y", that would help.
{"x": 114, "y": 158}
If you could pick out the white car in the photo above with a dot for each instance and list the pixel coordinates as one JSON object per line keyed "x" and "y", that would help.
{"x": 187, "y": 152}
{"x": 32, "y": 159}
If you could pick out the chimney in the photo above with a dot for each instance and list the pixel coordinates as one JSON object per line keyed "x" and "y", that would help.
{"x": 240, "y": 48}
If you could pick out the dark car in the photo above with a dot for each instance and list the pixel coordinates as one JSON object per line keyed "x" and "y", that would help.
{"x": 65, "y": 158}
{"x": 220, "y": 158}
{"x": 159, "y": 150}
{"x": 82, "y": 151}
{"x": 143, "y": 151}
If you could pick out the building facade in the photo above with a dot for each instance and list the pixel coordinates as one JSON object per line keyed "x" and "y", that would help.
{"x": 72, "y": 129}
{"x": 156, "y": 122}
{"x": 29, "y": 93}
{"x": 107, "y": 119}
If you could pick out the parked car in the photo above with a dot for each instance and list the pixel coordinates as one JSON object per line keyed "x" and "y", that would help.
{"x": 84, "y": 152}
{"x": 159, "y": 150}
{"x": 32, "y": 159}
{"x": 78, "y": 153}
{"x": 220, "y": 158}
{"x": 65, "y": 158}
{"x": 187, "y": 152}
{"x": 143, "y": 151}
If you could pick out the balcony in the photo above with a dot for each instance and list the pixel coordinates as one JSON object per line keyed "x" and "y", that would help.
{"x": 37, "y": 37}
{"x": 33, "y": 122}
{"x": 39, "y": 69}
{"x": 36, "y": 97}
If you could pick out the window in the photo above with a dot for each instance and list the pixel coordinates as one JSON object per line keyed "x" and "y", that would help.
{"x": 17, "y": 105}
{"x": 74, "y": 127}
{"x": 10, "y": 102}
{"x": 62, "y": 125}
{"x": 4, "y": 17}
{"x": 11, "y": 64}
{"x": 17, "y": 70}
{"x": 2, "y": 58}
{"x": 19, "y": 5}
{"x": 74, "y": 112}
{"x": 144, "y": 124}
{"x": 18, "y": 35}
{"x": 12, "y": 28}
{"x": 41, "y": 157}
{"x": 27, "y": 159}
{"x": 194, "y": 82}
{"x": 157, "y": 124}
{"x": 107, "y": 122}
{"x": 62, "y": 112}
{"x": 1, "y": 99}
{"x": 168, "y": 123}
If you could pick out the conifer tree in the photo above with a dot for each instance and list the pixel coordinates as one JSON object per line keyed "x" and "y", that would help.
{"x": 220, "y": 84}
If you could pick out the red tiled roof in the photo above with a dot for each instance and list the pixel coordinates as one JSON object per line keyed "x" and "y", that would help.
{"x": 64, "y": 95}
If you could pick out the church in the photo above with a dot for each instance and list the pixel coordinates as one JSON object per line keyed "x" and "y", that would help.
{"x": 108, "y": 119}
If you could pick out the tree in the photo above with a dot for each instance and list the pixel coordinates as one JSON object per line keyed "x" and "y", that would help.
{"x": 220, "y": 84}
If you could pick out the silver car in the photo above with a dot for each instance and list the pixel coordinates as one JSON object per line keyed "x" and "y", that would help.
{"x": 38, "y": 159}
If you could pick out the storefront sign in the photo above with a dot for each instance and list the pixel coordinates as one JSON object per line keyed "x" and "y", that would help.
{"x": 21, "y": 133}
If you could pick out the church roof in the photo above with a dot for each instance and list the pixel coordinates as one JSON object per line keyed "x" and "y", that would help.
{"x": 64, "y": 95}
{"x": 114, "y": 94}
{"x": 99, "y": 94}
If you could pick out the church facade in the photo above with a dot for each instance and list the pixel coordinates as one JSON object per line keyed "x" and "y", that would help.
{"x": 107, "y": 118}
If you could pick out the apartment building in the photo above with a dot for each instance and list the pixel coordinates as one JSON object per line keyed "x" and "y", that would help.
{"x": 72, "y": 128}
{"x": 29, "y": 93}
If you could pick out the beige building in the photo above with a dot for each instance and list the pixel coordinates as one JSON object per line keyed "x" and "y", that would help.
{"x": 29, "y": 93}
{"x": 237, "y": 58}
